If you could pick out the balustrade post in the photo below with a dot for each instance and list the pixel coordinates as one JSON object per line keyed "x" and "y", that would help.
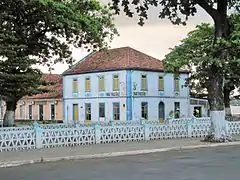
{"x": 189, "y": 129}
{"x": 146, "y": 131}
{"x": 97, "y": 134}
{"x": 38, "y": 132}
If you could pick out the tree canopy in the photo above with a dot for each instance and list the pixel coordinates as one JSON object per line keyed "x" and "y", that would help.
{"x": 178, "y": 12}
{"x": 197, "y": 53}
{"x": 42, "y": 32}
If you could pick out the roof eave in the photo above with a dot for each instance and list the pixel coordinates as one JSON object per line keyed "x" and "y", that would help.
{"x": 122, "y": 69}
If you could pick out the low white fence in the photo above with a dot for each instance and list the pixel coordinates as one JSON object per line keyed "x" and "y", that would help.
{"x": 59, "y": 135}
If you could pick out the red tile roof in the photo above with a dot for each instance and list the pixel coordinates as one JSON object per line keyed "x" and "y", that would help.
{"x": 116, "y": 59}
{"x": 55, "y": 89}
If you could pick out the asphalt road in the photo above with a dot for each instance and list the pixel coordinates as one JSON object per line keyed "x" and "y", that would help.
{"x": 202, "y": 164}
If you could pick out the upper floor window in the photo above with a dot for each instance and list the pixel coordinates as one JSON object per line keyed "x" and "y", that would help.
{"x": 115, "y": 83}
{"x": 87, "y": 84}
{"x": 75, "y": 85}
{"x": 176, "y": 83}
{"x": 144, "y": 82}
{"x": 101, "y": 83}
{"x": 160, "y": 83}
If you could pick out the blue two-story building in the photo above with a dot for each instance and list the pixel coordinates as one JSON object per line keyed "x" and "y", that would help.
{"x": 123, "y": 84}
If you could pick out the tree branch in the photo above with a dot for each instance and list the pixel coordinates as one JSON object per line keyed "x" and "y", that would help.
{"x": 209, "y": 9}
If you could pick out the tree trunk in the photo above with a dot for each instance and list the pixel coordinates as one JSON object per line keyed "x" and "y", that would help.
{"x": 8, "y": 120}
{"x": 227, "y": 101}
{"x": 219, "y": 126}
{"x": 218, "y": 130}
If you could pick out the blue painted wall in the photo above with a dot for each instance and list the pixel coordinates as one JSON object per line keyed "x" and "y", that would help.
{"x": 129, "y": 95}
{"x": 130, "y": 104}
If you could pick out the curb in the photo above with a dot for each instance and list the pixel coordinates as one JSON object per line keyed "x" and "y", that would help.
{"x": 112, "y": 154}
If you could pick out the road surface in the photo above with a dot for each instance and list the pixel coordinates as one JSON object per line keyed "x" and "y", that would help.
{"x": 221, "y": 163}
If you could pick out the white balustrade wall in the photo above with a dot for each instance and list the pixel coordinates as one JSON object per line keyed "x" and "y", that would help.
{"x": 60, "y": 135}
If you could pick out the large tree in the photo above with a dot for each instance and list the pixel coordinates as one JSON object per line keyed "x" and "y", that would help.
{"x": 42, "y": 32}
{"x": 178, "y": 11}
{"x": 195, "y": 53}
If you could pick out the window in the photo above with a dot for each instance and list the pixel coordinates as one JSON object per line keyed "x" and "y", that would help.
{"x": 160, "y": 83}
{"x": 52, "y": 111}
{"x": 88, "y": 111}
{"x": 75, "y": 85}
{"x": 40, "y": 112}
{"x": 197, "y": 111}
{"x": 22, "y": 111}
{"x": 144, "y": 110}
{"x": 176, "y": 83}
{"x": 75, "y": 112}
{"x": 101, "y": 84}
{"x": 116, "y": 111}
{"x": 115, "y": 83}
{"x": 101, "y": 110}
{"x": 177, "y": 109}
{"x": 30, "y": 112}
{"x": 87, "y": 84}
{"x": 144, "y": 83}
{"x": 161, "y": 111}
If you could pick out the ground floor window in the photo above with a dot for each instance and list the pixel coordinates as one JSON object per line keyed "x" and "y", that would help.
{"x": 116, "y": 111}
{"x": 176, "y": 109}
{"x": 144, "y": 110}
{"x": 102, "y": 110}
{"x": 22, "y": 115}
{"x": 40, "y": 112}
{"x": 88, "y": 111}
{"x": 30, "y": 112}
{"x": 75, "y": 112}
{"x": 52, "y": 110}
{"x": 161, "y": 111}
{"x": 197, "y": 112}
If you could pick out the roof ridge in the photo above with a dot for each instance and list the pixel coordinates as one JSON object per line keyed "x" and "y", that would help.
{"x": 115, "y": 58}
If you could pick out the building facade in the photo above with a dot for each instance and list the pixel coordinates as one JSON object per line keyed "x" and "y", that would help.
{"x": 123, "y": 84}
{"x": 44, "y": 106}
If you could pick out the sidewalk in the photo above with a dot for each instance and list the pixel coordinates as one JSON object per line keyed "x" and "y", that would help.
{"x": 16, "y": 158}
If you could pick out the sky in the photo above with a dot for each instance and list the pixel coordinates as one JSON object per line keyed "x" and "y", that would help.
{"x": 154, "y": 38}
